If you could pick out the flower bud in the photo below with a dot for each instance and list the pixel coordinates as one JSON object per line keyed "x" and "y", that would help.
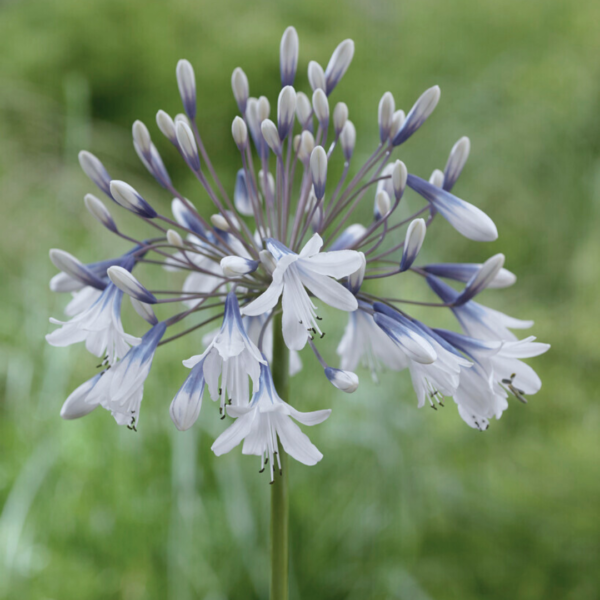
{"x": 418, "y": 114}
{"x": 456, "y": 162}
{"x": 186, "y": 81}
{"x": 76, "y": 405}
{"x": 307, "y": 145}
{"x": 286, "y": 111}
{"x": 465, "y": 271}
{"x": 187, "y": 143}
{"x": 220, "y": 222}
{"x": 303, "y": 109}
{"x": 412, "y": 243}
{"x": 316, "y": 76}
{"x": 185, "y": 407}
{"x": 321, "y": 107}
{"x": 481, "y": 279}
{"x": 127, "y": 283}
{"x": 75, "y": 269}
{"x": 167, "y": 126}
{"x": 397, "y": 122}
{"x": 340, "y": 116}
{"x": 348, "y": 140}
{"x": 271, "y": 135}
{"x": 174, "y": 239}
{"x": 100, "y": 212}
{"x": 288, "y": 56}
{"x": 241, "y": 90}
{"x": 141, "y": 137}
{"x": 347, "y": 381}
{"x": 239, "y": 131}
{"x": 144, "y": 310}
{"x": 181, "y": 117}
{"x": 264, "y": 108}
{"x": 128, "y": 198}
{"x": 236, "y": 266}
{"x": 241, "y": 197}
{"x": 318, "y": 170}
{"x": 386, "y": 116}
{"x": 399, "y": 177}
{"x": 355, "y": 280}
{"x": 338, "y": 64}
{"x": 349, "y": 237}
{"x": 267, "y": 261}
{"x": 382, "y": 205}
{"x": 95, "y": 170}
{"x": 437, "y": 178}
{"x": 187, "y": 218}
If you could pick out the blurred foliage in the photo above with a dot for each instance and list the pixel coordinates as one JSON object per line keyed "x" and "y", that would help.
{"x": 407, "y": 504}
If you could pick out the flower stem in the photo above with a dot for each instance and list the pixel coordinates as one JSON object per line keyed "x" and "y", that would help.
{"x": 279, "y": 488}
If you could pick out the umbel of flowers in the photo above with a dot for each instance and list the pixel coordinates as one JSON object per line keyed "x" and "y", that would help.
{"x": 282, "y": 239}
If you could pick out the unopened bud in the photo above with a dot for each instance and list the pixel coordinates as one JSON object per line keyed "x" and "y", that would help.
{"x": 270, "y": 181}
{"x": 187, "y": 143}
{"x": 100, "y": 212}
{"x": 144, "y": 310}
{"x": 318, "y": 170}
{"x": 348, "y": 139}
{"x": 141, "y": 137}
{"x": 382, "y": 205}
{"x": 338, "y": 64}
{"x": 286, "y": 111}
{"x": 340, "y": 116}
{"x": 307, "y": 145}
{"x": 75, "y": 269}
{"x": 412, "y": 243}
{"x": 174, "y": 239}
{"x": 128, "y": 198}
{"x": 418, "y": 114}
{"x": 264, "y": 108}
{"x": 397, "y": 122}
{"x": 241, "y": 90}
{"x": 236, "y": 266}
{"x": 288, "y": 56}
{"x": 127, "y": 283}
{"x": 240, "y": 133}
{"x": 456, "y": 162}
{"x": 356, "y": 279}
{"x": 399, "y": 177}
{"x": 316, "y": 76}
{"x": 481, "y": 279}
{"x": 321, "y": 107}
{"x": 386, "y": 116}
{"x": 303, "y": 109}
{"x": 271, "y": 135}
{"x": 347, "y": 381}
{"x": 167, "y": 126}
{"x": 95, "y": 170}
{"x": 220, "y": 222}
{"x": 437, "y": 178}
{"x": 186, "y": 81}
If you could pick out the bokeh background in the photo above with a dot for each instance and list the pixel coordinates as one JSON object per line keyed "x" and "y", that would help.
{"x": 407, "y": 504}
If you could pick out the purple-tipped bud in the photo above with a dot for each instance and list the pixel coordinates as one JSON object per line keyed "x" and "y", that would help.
{"x": 241, "y": 197}
{"x": 144, "y": 310}
{"x": 349, "y": 237}
{"x": 397, "y": 122}
{"x": 356, "y": 279}
{"x": 415, "y": 235}
{"x": 316, "y": 76}
{"x": 187, "y": 218}
{"x": 418, "y": 114}
{"x": 456, "y": 162}
{"x": 241, "y": 89}
{"x": 187, "y": 144}
{"x": 128, "y": 198}
{"x": 437, "y": 178}
{"x": 481, "y": 279}
{"x": 127, "y": 283}
{"x": 399, "y": 176}
{"x": 236, "y": 266}
{"x": 347, "y": 381}
{"x": 95, "y": 170}
{"x": 307, "y": 145}
{"x": 288, "y": 56}
{"x": 348, "y": 140}
{"x": 141, "y": 138}
{"x": 386, "y": 116}
{"x": 286, "y": 111}
{"x": 271, "y": 135}
{"x": 338, "y": 64}
{"x": 100, "y": 212}
{"x": 340, "y": 116}
{"x": 167, "y": 126}
{"x": 318, "y": 170}
{"x": 73, "y": 267}
{"x": 382, "y": 205}
{"x": 321, "y": 107}
{"x": 186, "y": 81}
{"x": 239, "y": 131}
{"x": 303, "y": 110}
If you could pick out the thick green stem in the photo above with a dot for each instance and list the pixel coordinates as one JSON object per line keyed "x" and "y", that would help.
{"x": 279, "y": 487}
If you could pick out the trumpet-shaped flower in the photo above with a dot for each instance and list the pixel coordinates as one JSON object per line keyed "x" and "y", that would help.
{"x": 266, "y": 419}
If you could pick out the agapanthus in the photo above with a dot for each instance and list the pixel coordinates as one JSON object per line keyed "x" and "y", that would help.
{"x": 283, "y": 237}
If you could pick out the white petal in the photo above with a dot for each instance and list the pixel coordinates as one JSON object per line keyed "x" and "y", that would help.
{"x": 328, "y": 290}
{"x": 309, "y": 418}
{"x": 340, "y": 263}
{"x": 265, "y": 302}
{"x": 312, "y": 247}
{"x": 234, "y": 434}
{"x": 296, "y": 443}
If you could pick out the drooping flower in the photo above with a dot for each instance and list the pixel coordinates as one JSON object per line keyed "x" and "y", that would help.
{"x": 311, "y": 269}
{"x": 231, "y": 357}
{"x": 266, "y": 419}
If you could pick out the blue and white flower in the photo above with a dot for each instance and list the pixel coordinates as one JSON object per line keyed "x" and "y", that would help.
{"x": 231, "y": 357}
{"x": 265, "y": 420}
{"x": 311, "y": 269}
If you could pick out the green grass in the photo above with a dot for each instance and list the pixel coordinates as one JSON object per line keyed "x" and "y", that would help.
{"x": 407, "y": 504}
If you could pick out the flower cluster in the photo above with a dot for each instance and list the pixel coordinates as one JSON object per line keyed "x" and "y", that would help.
{"x": 283, "y": 239}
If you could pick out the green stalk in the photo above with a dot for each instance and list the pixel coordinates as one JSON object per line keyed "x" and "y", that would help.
{"x": 279, "y": 488}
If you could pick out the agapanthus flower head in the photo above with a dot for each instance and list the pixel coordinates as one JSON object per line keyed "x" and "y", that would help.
{"x": 281, "y": 246}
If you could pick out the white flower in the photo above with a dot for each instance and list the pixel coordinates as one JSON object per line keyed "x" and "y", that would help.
{"x": 187, "y": 403}
{"x": 265, "y": 419}
{"x": 433, "y": 379}
{"x": 77, "y": 405}
{"x": 364, "y": 342}
{"x": 82, "y": 300}
{"x": 232, "y": 357}
{"x": 478, "y": 321}
{"x": 99, "y": 326}
{"x": 314, "y": 271}
{"x": 121, "y": 387}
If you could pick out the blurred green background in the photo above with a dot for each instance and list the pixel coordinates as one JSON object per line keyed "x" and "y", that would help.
{"x": 407, "y": 504}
